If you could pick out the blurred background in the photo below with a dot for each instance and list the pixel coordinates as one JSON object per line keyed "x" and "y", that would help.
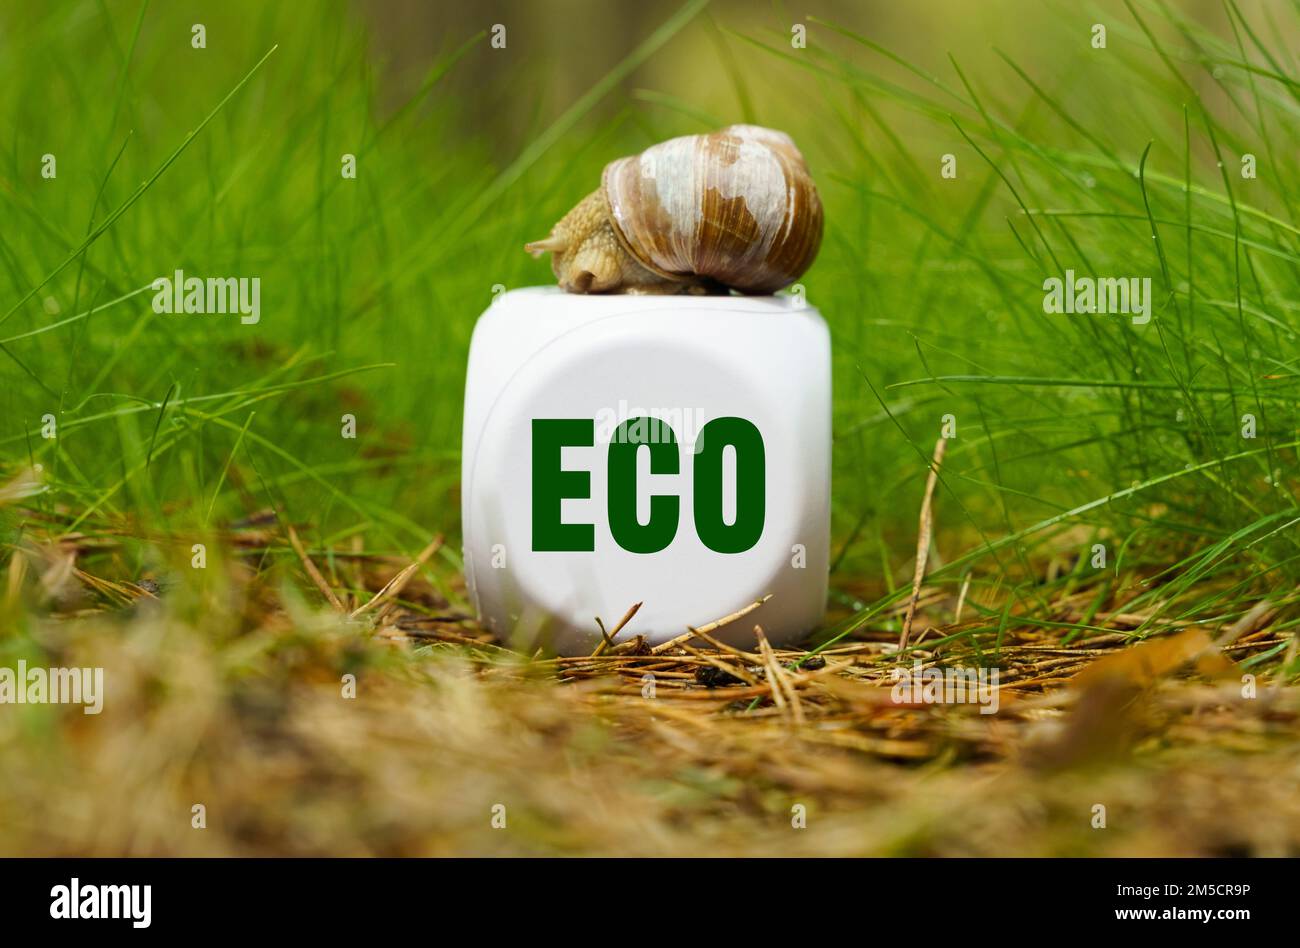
{"x": 560, "y": 50}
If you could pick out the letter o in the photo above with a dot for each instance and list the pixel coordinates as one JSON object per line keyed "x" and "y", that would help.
{"x": 751, "y": 485}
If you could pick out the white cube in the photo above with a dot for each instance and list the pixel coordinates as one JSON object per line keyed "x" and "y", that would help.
{"x": 719, "y": 496}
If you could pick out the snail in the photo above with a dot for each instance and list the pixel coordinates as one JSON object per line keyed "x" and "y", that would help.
{"x": 733, "y": 209}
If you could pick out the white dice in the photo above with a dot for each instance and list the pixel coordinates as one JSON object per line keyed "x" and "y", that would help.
{"x": 667, "y": 450}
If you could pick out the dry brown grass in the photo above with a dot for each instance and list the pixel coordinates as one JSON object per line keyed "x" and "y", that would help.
{"x": 227, "y": 693}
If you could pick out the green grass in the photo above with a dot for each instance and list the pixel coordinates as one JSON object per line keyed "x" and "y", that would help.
{"x": 1071, "y": 430}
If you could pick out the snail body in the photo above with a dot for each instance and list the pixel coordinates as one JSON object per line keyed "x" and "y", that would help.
{"x": 733, "y": 209}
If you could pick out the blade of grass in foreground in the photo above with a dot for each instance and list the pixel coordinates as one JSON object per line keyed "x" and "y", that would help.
{"x": 955, "y": 565}
{"x": 1071, "y": 383}
{"x": 140, "y": 191}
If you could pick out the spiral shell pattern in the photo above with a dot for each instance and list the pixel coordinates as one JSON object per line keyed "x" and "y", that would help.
{"x": 736, "y": 206}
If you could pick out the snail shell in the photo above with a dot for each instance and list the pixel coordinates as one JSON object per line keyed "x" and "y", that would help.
{"x": 734, "y": 208}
